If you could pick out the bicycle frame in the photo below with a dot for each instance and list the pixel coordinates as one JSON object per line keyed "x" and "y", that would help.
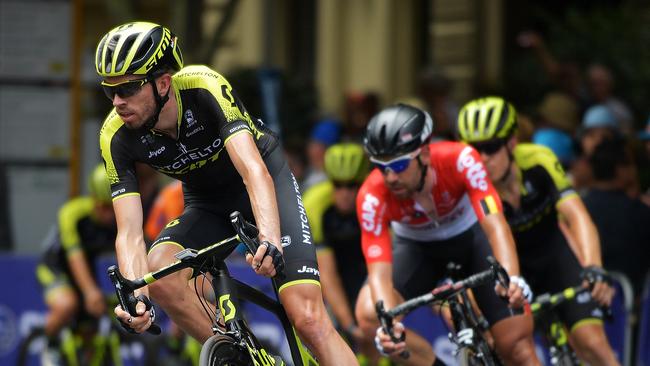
{"x": 228, "y": 291}
{"x": 550, "y": 325}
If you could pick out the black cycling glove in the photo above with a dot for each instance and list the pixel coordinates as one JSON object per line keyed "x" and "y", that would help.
{"x": 593, "y": 274}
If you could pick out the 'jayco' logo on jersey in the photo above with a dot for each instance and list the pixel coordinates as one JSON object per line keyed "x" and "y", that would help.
{"x": 156, "y": 152}
{"x": 368, "y": 214}
{"x": 189, "y": 117}
{"x": 306, "y": 269}
{"x": 474, "y": 170}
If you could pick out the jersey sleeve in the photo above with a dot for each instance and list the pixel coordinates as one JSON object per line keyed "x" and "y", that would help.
{"x": 217, "y": 95}
{"x": 120, "y": 166}
{"x": 482, "y": 194}
{"x": 561, "y": 184}
{"x": 372, "y": 212}
{"x": 68, "y": 219}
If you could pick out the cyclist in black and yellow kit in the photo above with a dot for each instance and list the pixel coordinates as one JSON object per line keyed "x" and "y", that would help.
{"x": 331, "y": 211}
{"x": 536, "y": 195}
{"x": 187, "y": 123}
{"x": 85, "y": 229}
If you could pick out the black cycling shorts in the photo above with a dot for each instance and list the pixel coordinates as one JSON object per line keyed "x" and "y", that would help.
{"x": 550, "y": 266}
{"x": 419, "y": 266}
{"x": 206, "y": 220}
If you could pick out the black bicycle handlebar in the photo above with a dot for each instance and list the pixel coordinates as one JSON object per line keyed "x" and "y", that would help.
{"x": 246, "y": 232}
{"x": 441, "y": 293}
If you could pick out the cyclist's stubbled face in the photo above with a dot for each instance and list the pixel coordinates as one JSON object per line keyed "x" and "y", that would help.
{"x": 345, "y": 197}
{"x": 404, "y": 184}
{"x": 136, "y": 109}
{"x": 497, "y": 163}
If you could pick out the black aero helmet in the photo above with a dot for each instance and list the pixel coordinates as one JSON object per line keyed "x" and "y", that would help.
{"x": 397, "y": 130}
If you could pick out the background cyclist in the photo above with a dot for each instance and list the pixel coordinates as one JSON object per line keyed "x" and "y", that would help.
{"x": 441, "y": 207}
{"x": 189, "y": 124}
{"x": 337, "y": 236}
{"x": 536, "y": 194}
{"x": 85, "y": 229}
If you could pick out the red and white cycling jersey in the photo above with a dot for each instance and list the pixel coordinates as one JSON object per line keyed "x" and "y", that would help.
{"x": 462, "y": 193}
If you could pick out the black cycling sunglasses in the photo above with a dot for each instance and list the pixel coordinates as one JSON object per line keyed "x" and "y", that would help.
{"x": 490, "y": 147}
{"x": 125, "y": 89}
{"x": 348, "y": 185}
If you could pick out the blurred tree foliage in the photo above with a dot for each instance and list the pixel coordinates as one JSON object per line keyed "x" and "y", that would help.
{"x": 616, "y": 36}
{"x": 297, "y": 106}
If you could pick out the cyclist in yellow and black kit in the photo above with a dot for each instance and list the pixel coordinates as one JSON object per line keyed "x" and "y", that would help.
{"x": 331, "y": 211}
{"x": 85, "y": 229}
{"x": 536, "y": 195}
{"x": 188, "y": 123}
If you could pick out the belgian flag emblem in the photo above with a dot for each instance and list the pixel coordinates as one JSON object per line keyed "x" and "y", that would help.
{"x": 489, "y": 205}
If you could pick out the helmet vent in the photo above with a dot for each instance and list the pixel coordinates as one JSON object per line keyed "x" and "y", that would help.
{"x": 143, "y": 51}
{"x": 126, "y": 47}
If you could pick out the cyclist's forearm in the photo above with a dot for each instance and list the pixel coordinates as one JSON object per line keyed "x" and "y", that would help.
{"x": 131, "y": 256}
{"x": 81, "y": 272}
{"x": 264, "y": 205}
{"x": 501, "y": 241}
{"x": 380, "y": 281}
{"x": 582, "y": 230}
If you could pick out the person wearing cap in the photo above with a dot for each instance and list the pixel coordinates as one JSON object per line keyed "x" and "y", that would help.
{"x": 85, "y": 229}
{"x": 188, "y": 123}
{"x": 324, "y": 134}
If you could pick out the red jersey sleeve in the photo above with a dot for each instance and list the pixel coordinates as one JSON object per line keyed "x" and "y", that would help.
{"x": 372, "y": 212}
{"x": 484, "y": 197}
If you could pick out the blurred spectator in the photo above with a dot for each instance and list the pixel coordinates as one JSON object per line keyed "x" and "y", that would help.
{"x": 167, "y": 206}
{"x": 598, "y": 124}
{"x": 525, "y": 128}
{"x": 601, "y": 90}
{"x": 596, "y": 88}
{"x": 326, "y": 133}
{"x": 565, "y": 75}
{"x": 644, "y": 163}
{"x": 294, "y": 151}
{"x": 559, "y": 141}
{"x": 622, "y": 221}
{"x": 434, "y": 88}
{"x": 558, "y": 110}
{"x": 357, "y": 111}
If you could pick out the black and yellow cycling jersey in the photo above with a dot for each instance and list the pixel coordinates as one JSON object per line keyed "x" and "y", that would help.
{"x": 209, "y": 113}
{"x": 339, "y": 233}
{"x": 543, "y": 185}
{"x": 76, "y": 230}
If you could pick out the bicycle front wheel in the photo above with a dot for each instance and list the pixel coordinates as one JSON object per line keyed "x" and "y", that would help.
{"x": 222, "y": 350}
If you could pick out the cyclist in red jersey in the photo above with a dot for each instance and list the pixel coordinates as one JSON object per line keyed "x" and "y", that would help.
{"x": 441, "y": 206}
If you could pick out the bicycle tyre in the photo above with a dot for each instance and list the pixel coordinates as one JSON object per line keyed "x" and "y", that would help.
{"x": 468, "y": 357}
{"x": 24, "y": 358}
{"x": 221, "y": 350}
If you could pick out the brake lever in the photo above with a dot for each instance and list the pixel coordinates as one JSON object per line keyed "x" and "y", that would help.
{"x": 124, "y": 291}
{"x": 386, "y": 321}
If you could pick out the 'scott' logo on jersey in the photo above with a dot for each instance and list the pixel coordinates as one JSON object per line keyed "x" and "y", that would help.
{"x": 474, "y": 170}
{"x": 369, "y": 213}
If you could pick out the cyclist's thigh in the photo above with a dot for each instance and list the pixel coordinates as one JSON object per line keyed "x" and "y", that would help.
{"x": 493, "y": 307}
{"x": 417, "y": 266}
{"x": 56, "y": 284}
{"x": 299, "y": 253}
{"x": 196, "y": 228}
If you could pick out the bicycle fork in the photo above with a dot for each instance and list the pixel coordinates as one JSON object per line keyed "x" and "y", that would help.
{"x": 236, "y": 327}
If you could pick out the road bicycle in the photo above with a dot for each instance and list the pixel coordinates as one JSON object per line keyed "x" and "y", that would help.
{"x": 233, "y": 342}
{"x": 472, "y": 346}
